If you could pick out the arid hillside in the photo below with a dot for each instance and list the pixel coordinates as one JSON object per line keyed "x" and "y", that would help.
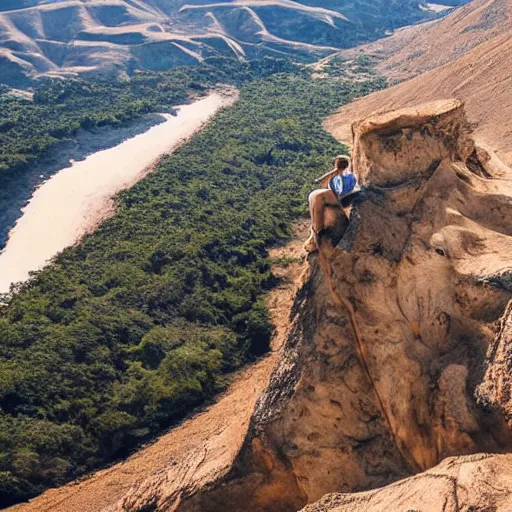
{"x": 385, "y": 373}
{"x": 467, "y": 55}
{"x": 39, "y": 37}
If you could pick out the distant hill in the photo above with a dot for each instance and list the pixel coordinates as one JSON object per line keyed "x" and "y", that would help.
{"x": 62, "y": 37}
{"x": 467, "y": 55}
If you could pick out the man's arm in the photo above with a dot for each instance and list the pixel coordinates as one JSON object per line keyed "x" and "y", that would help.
{"x": 326, "y": 177}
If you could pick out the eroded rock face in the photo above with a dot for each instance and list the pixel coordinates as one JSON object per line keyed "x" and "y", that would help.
{"x": 495, "y": 391}
{"x": 477, "y": 483}
{"x": 379, "y": 377}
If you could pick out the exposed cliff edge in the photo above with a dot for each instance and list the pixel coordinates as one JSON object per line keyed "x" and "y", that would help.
{"x": 383, "y": 373}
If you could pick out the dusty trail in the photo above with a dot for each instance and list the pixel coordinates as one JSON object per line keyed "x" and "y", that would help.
{"x": 203, "y": 447}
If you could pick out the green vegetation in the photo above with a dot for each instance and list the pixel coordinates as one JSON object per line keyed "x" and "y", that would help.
{"x": 30, "y": 129}
{"x": 363, "y": 65}
{"x": 61, "y": 108}
{"x": 284, "y": 261}
{"x": 126, "y": 332}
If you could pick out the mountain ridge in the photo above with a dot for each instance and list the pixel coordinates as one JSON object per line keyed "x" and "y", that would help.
{"x": 118, "y": 36}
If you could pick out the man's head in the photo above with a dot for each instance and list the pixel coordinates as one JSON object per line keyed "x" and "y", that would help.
{"x": 342, "y": 163}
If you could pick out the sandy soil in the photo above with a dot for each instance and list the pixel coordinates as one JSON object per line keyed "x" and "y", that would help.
{"x": 15, "y": 197}
{"x": 75, "y": 200}
{"x": 202, "y": 447}
{"x": 418, "y": 48}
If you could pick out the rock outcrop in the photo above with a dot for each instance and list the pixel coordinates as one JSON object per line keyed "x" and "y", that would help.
{"x": 496, "y": 389}
{"x": 476, "y": 483}
{"x": 383, "y": 373}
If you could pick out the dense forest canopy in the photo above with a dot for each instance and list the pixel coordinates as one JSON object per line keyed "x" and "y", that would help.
{"x": 144, "y": 319}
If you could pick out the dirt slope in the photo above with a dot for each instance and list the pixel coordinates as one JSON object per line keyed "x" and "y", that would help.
{"x": 203, "y": 448}
{"x": 414, "y": 50}
{"x": 473, "y": 47}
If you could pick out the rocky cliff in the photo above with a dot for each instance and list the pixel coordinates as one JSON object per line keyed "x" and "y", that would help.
{"x": 398, "y": 355}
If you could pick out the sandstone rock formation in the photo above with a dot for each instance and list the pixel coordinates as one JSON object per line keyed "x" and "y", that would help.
{"x": 379, "y": 375}
{"x": 476, "y": 483}
{"x": 496, "y": 389}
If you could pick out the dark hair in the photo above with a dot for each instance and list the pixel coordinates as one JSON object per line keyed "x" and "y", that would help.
{"x": 341, "y": 162}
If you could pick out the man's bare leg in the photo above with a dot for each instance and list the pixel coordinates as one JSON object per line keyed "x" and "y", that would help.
{"x": 318, "y": 201}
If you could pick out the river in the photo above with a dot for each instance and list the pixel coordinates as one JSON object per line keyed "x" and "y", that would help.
{"x": 78, "y": 197}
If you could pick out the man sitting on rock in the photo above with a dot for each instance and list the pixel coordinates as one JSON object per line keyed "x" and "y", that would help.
{"x": 325, "y": 204}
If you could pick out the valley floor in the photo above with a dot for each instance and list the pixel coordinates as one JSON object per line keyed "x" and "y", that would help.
{"x": 78, "y": 198}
